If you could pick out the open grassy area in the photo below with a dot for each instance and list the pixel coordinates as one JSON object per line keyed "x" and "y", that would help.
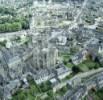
{"x": 88, "y": 65}
{"x": 69, "y": 65}
{"x": 66, "y": 57}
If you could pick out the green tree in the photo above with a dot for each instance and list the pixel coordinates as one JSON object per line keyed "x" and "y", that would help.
{"x": 76, "y": 69}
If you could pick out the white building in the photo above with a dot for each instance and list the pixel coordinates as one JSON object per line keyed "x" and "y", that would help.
{"x": 62, "y": 71}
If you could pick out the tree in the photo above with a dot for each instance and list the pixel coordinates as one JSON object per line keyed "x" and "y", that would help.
{"x": 97, "y": 60}
{"x": 16, "y": 26}
{"x": 25, "y": 23}
{"x": 3, "y": 43}
{"x": 2, "y": 27}
{"x": 65, "y": 62}
{"x": 50, "y": 93}
{"x": 89, "y": 56}
{"x": 70, "y": 60}
{"x": 10, "y": 27}
{"x": 76, "y": 69}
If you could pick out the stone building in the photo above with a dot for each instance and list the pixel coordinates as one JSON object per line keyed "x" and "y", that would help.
{"x": 44, "y": 54}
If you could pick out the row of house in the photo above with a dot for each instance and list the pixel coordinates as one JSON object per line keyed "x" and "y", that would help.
{"x": 81, "y": 90}
{"x": 57, "y": 73}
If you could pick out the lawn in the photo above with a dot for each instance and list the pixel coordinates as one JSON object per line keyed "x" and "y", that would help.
{"x": 88, "y": 65}
{"x": 69, "y": 65}
{"x": 66, "y": 57}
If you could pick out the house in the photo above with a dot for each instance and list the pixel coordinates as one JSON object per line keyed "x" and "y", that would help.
{"x": 79, "y": 57}
{"x": 62, "y": 71}
{"x": 43, "y": 75}
{"x": 14, "y": 61}
{"x": 100, "y": 81}
{"x": 82, "y": 55}
{"x": 62, "y": 40}
{"x": 11, "y": 58}
{"x": 11, "y": 88}
{"x": 54, "y": 81}
{"x": 100, "y": 51}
